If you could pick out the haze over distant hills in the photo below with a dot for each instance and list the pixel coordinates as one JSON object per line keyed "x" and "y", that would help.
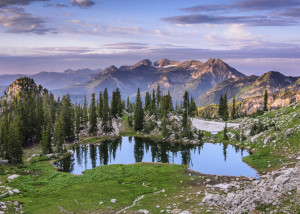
{"x": 52, "y": 80}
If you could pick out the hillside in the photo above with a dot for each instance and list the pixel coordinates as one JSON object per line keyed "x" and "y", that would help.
{"x": 283, "y": 90}
{"x": 194, "y": 76}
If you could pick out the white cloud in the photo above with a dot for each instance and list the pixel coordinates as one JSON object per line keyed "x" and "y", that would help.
{"x": 237, "y": 31}
{"x": 234, "y": 36}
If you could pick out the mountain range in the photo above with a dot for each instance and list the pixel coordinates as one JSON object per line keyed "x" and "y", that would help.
{"x": 193, "y": 76}
{"x": 204, "y": 81}
{"x": 250, "y": 90}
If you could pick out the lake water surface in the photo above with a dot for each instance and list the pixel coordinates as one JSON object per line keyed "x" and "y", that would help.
{"x": 208, "y": 158}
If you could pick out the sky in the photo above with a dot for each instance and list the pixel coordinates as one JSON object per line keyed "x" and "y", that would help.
{"x": 253, "y": 36}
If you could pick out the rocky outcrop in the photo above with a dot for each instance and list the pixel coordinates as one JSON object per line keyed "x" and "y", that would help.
{"x": 271, "y": 188}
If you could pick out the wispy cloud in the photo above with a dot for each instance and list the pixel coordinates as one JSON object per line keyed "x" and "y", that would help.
{"x": 4, "y": 3}
{"x": 86, "y": 28}
{"x": 247, "y": 20}
{"x": 82, "y": 3}
{"x": 126, "y": 46}
{"x": 62, "y": 50}
{"x": 56, "y": 5}
{"x": 245, "y": 5}
{"x": 16, "y": 20}
{"x": 292, "y": 12}
{"x": 249, "y": 12}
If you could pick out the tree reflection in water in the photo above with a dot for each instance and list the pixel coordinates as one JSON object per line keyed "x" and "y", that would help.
{"x": 127, "y": 150}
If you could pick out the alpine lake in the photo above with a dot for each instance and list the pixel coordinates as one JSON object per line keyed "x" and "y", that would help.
{"x": 207, "y": 158}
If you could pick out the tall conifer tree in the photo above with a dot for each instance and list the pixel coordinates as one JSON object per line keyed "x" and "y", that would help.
{"x": 225, "y": 108}
{"x": 106, "y": 121}
{"x": 100, "y": 105}
{"x": 233, "y": 114}
{"x": 138, "y": 113}
{"x": 93, "y": 116}
{"x": 221, "y": 107}
{"x": 85, "y": 118}
{"x": 266, "y": 101}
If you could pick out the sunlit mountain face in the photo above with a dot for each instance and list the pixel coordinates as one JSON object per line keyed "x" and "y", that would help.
{"x": 253, "y": 36}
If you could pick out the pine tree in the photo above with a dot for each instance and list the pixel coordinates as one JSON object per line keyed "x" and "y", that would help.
{"x": 163, "y": 108}
{"x": 119, "y": 102}
{"x": 46, "y": 140}
{"x": 193, "y": 107}
{"x": 176, "y": 108}
{"x": 128, "y": 105}
{"x": 15, "y": 151}
{"x": 67, "y": 112}
{"x": 138, "y": 113}
{"x": 100, "y": 105}
{"x": 169, "y": 106}
{"x": 26, "y": 109}
{"x": 114, "y": 105}
{"x": 266, "y": 101}
{"x": 153, "y": 104}
{"x": 40, "y": 115}
{"x": 221, "y": 107}
{"x": 4, "y": 135}
{"x": 59, "y": 133}
{"x": 225, "y": 108}
{"x": 77, "y": 119}
{"x": 164, "y": 130}
{"x": 233, "y": 114}
{"x": 147, "y": 101}
{"x": 93, "y": 116}
{"x": 185, "y": 117}
{"x": 106, "y": 121}
{"x": 225, "y": 136}
{"x": 52, "y": 108}
{"x": 158, "y": 96}
{"x": 85, "y": 118}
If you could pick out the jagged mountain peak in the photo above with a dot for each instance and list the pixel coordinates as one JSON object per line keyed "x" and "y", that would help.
{"x": 275, "y": 79}
{"x": 110, "y": 69}
{"x": 271, "y": 75}
{"x": 217, "y": 66}
{"x": 144, "y": 62}
{"x": 192, "y": 63}
{"x": 212, "y": 62}
{"x": 165, "y": 62}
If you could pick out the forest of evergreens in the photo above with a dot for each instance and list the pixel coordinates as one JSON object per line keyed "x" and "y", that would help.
{"x": 33, "y": 115}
